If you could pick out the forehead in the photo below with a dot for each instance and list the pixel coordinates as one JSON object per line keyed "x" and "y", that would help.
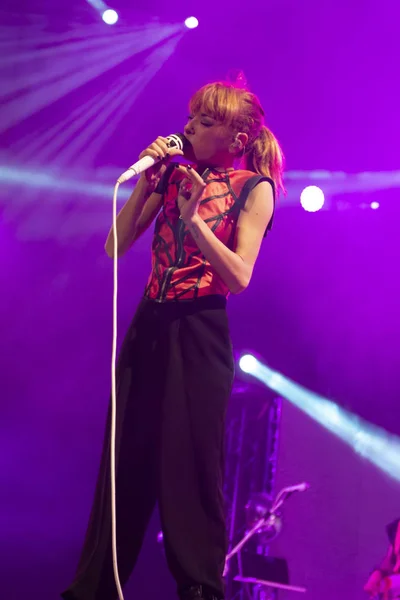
{"x": 204, "y": 111}
{"x": 208, "y": 115}
{"x": 207, "y": 102}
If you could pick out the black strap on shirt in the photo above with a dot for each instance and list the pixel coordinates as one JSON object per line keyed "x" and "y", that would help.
{"x": 163, "y": 183}
{"x": 250, "y": 184}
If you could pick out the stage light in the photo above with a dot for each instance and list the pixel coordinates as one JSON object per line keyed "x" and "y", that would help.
{"x": 373, "y": 443}
{"x": 191, "y": 23}
{"x": 248, "y": 364}
{"x": 312, "y": 198}
{"x": 110, "y": 16}
{"x": 375, "y": 205}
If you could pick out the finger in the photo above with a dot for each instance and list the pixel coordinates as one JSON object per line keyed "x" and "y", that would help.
{"x": 175, "y": 152}
{"x": 171, "y": 150}
{"x": 164, "y": 144}
{"x": 192, "y": 175}
{"x": 164, "y": 152}
{"x": 166, "y": 141}
{"x": 161, "y": 149}
{"x": 185, "y": 184}
{"x": 185, "y": 189}
{"x": 149, "y": 152}
{"x": 191, "y": 190}
{"x": 153, "y": 150}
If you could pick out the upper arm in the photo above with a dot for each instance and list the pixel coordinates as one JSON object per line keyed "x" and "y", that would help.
{"x": 253, "y": 221}
{"x": 149, "y": 212}
{"x": 153, "y": 203}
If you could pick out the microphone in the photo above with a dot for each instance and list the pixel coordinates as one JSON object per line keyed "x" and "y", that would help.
{"x": 176, "y": 140}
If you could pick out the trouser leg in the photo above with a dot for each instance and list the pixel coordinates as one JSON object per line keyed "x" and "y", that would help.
{"x": 139, "y": 392}
{"x": 199, "y": 383}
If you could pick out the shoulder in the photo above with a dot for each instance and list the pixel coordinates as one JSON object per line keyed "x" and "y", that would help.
{"x": 247, "y": 181}
{"x": 245, "y": 175}
{"x": 257, "y": 199}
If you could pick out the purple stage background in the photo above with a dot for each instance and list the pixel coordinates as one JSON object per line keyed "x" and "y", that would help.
{"x": 323, "y": 307}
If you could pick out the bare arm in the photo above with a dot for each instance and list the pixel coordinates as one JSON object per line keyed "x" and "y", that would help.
{"x": 236, "y": 267}
{"x": 143, "y": 205}
{"x": 134, "y": 218}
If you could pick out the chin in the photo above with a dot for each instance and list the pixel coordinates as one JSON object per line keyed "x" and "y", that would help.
{"x": 194, "y": 155}
{"x": 201, "y": 159}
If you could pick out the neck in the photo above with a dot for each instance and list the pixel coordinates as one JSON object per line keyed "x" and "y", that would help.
{"x": 215, "y": 166}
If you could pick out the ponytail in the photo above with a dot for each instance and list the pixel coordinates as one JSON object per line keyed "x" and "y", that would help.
{"x": 265, "y": 157}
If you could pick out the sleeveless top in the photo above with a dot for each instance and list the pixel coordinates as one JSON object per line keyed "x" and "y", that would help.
{"x": 180, "y": 271}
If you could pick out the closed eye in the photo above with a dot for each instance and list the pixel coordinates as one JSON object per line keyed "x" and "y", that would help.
{"x": 204, "y": 123}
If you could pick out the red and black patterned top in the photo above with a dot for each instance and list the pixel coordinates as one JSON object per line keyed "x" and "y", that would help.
{"x": 179, "y": 269}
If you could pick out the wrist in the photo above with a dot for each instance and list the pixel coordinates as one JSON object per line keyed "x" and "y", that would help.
{"x": 146, "y": 187}
{"x": 192, "y": 220}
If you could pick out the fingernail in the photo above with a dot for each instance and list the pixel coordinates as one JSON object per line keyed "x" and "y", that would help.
{"x": 176, "y": 165}
{"x": 167, "y": 155}
{"x": 159, "y": 157}
{"x": 189, "y": 167}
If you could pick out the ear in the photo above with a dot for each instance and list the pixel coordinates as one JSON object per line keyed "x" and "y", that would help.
{"x": 239, "y": 144}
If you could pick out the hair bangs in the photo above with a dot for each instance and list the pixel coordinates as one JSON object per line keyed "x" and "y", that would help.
{"x": 217, "y": 100}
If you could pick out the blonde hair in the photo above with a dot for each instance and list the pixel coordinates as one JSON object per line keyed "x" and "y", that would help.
{"x": 234, "y": 105}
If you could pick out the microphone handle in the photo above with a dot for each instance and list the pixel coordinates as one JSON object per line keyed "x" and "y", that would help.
{"x": 176, "y": 140}
{"x": 138, "y": 167}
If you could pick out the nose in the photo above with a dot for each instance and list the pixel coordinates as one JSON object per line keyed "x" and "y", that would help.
{"x": 188, "y": 129}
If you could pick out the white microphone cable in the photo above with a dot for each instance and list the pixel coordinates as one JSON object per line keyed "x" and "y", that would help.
{"x": 114, "y": 398}
{"x": 177, "y": 141}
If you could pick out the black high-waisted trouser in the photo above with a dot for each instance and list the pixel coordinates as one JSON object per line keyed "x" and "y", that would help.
{"x": 174, "y": 378}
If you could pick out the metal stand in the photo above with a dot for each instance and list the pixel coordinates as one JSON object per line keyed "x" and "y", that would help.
{"x": 253, "y": 516}
{"x": 268, "y": 520}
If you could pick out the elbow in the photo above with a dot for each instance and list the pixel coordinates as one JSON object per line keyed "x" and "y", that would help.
{"x": 123, "y": 245}
{"x": 241, "y": 279}
{"x": 109, "y": 248}
{"x": 240, "y": 285}
{"x": 109, "y": 251}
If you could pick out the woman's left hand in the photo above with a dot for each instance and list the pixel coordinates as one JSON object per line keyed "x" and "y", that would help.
{"x": 191, "y": 190}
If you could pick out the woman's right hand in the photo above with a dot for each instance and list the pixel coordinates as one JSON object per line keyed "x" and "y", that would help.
{"x": 160, "y": 151}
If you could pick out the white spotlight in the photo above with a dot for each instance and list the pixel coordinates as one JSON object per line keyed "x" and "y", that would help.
{"x": 110, "y": 16}
{"x": 191, "y": 23}
{"x": 312, "y": 198}
{"x": 375, "y": 205}
{"x": 248, "y": 363}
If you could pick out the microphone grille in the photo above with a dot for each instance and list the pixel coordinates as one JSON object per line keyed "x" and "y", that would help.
{"x": 177, "y": 140}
